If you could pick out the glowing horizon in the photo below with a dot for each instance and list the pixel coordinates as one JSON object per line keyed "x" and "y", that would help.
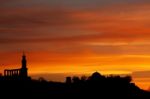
{"x": 76, "y": 36}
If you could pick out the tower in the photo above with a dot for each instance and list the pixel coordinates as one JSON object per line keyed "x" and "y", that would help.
{"x": 24, "y": 69}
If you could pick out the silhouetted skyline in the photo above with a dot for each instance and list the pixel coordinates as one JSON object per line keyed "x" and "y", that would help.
{"x": 77, "y": 37}
{"x": 17, "y": 82}
{"x": 94, "y": 86}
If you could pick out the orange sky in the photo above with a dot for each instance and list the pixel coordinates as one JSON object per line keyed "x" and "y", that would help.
{"x": 79, "y": 36}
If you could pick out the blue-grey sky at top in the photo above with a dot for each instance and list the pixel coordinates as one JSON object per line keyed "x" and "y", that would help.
{"x": 67, "y": 3}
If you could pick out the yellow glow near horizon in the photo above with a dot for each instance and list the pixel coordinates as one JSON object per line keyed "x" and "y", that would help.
{"x": 111, "y": 39}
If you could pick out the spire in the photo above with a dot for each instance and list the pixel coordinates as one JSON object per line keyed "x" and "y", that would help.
{"x": 24, "y": 70}
{"x": 24, "y": 60}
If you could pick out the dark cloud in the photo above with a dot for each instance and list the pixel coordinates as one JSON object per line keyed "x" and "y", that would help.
{"x": 101, "y": 37}
{"x": 65, "y": 25}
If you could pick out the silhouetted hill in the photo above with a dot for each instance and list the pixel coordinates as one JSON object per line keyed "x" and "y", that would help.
{"x": 95, "y": 87}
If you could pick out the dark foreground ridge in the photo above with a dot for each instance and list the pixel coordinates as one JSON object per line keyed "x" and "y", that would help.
{"x": 15, "y": 84}
{"x": 94, "y": 87}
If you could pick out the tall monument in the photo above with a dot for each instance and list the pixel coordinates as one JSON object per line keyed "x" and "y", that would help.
{"x": 18, "y": 73}
{"x": 24, "y": 69}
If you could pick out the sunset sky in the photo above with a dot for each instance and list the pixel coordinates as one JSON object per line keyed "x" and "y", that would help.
{"x": 77, "y": 36}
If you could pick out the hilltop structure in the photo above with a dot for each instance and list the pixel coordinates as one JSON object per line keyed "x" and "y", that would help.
{"x": 18, "y": 73}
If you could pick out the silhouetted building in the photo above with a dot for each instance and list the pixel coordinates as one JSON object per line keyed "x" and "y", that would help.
{"x": 96, "y": 75}
{"x": 22, "y": 72}
{"x": 68, "y": 80}
{"x": 75, "y": 79}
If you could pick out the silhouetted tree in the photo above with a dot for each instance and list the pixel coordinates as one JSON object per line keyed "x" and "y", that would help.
{"x": 127, "y": 79}
{"x": 83, "y": 78}
{"x": 75, "y": 79}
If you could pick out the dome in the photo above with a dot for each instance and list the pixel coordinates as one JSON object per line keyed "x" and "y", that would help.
{"x": 96, "y": 75}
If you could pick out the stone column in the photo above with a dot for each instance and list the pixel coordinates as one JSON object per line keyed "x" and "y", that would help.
{"x": 11, "y": 72}
{"x": 8, "y": 73}
{"x": 4, "y": 72}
